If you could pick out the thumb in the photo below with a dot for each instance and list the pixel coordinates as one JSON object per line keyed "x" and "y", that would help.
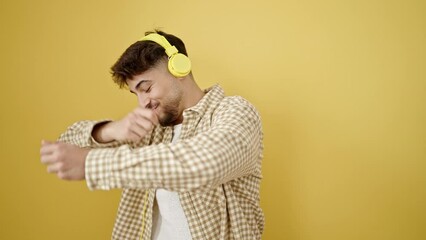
{"x": 44, "y": 142}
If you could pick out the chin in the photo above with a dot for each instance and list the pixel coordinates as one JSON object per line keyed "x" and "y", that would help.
{"x": 168, "y": 121}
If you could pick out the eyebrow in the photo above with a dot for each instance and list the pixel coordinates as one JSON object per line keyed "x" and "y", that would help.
{"x": 138, "y": 84}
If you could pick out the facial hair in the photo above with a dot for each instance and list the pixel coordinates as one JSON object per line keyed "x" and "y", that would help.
{"x": 171, "y": 108}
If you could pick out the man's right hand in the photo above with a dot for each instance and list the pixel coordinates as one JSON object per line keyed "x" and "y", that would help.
{"x": 133, "y": 127}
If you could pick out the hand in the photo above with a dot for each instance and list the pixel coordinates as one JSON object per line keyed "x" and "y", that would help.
{"x": 65, "y": 160}
{"x": 133, "y": 127}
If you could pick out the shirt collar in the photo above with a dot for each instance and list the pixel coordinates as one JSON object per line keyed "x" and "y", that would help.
{"x": 212, "y": 98}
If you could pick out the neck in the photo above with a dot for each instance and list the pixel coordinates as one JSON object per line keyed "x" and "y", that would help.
{"x": 194, "y": 94}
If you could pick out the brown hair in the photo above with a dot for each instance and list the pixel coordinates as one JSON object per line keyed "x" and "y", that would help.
{"x": 141, "y": 56}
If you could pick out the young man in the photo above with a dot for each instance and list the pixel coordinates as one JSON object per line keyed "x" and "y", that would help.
{"x": 188, "y": 160}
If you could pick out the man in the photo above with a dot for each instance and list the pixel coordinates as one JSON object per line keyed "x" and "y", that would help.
{"x": 188, "y": 160}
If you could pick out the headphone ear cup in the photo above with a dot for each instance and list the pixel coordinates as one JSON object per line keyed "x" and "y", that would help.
{"x": 179, "y": 65}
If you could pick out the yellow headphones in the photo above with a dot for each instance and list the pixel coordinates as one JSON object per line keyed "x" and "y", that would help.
{"x": 179, "y": 65}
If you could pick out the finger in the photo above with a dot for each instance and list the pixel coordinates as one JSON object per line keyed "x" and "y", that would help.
{"x": 137, "y": 133}
{"x": 48, "y": 159}
{"x": 134, "y": 138}
{"x": 45, "y": 142}
{"x": 48, "y": 149}
{"x": 153, "y": 117}
{"x": 144, "y": 124}
{"x": 147, "y": 114}
{"x": 53, "y": 168}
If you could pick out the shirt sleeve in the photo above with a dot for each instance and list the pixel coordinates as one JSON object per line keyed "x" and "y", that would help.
{"x": 80, "y": 134}
{"x": 231, "y": 148}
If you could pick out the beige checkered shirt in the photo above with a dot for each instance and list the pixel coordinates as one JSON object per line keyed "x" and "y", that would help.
{"x": 215, "y": 166}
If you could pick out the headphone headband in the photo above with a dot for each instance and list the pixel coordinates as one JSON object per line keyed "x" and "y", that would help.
{"x": 162, "y": 41}
{"x": 179, "y": 65}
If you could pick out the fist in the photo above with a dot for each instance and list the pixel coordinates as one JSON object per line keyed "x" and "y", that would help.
{"x": 133, "y": 127}
{"x": 65, "y": 160}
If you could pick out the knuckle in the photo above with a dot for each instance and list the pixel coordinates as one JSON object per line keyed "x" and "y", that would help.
{"x": 129, "y": 123}
{"x": 132, "y": 115}
{"x": 55, "y": 156}
{"x": 59, "y": 150}
{"x": 51, "y": 169}
{"x": 58, "y": 146}
{"x": 55, "y": 148}
{"x": 128, "y": 132}
{"x": 61, "y": 166}
{"x": 61, "y": 175}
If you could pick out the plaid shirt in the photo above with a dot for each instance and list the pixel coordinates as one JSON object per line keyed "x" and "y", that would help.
{"x": 215, "y": 166}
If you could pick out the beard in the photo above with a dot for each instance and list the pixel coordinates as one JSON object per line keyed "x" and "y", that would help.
{"x": 171, "y": 114}
{"x": 170, "y": 107}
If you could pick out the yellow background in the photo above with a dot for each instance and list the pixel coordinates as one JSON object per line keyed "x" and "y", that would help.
{"x": 340, "y": 85}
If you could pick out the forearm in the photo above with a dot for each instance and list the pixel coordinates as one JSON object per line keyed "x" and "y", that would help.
{"x": 185, "y": 166}
{"x": 81, "y": 134}
{"x": 100, "y": 133}
{"x": 229, "y": 150}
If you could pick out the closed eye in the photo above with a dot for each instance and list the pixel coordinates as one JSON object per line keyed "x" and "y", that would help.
{"x": 139, "y": 85}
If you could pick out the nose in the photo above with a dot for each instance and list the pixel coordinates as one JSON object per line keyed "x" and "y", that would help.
{"x": 144, "y": 101}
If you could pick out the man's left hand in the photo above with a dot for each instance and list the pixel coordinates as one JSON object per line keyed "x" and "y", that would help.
{"x": 65, "y": 160}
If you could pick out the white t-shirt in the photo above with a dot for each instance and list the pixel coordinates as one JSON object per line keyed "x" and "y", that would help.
{"x": 169, "y": 220}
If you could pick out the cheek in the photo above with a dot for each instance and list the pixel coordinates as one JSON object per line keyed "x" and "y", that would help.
{"x": 141, "y": 100}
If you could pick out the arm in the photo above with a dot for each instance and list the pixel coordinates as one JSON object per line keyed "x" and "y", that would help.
{"x": 80, "y": 134}
{"x": 230, "y": 149}
{"x": 66, "y": 157}
{"x": 132, "y": 129}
